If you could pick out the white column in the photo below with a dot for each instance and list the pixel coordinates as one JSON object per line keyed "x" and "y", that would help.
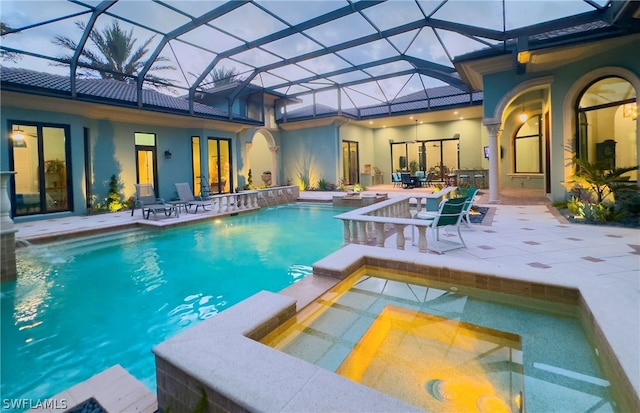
{"x": 362, "y": 233}
{"x": 274, "y": 165}
{"x": 346, "y": 232}
{"x": 6, "y": 223}
{"x": 494, "y": 162}
{"x": 8, "y": 270}
{"x": 400, "y": 236}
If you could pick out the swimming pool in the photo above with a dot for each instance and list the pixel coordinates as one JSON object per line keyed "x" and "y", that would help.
{"x": 450, "y": 350}
{"x": 81, "y": 306}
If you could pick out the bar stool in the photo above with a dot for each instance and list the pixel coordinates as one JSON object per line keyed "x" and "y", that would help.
{"x": 478, "y": 180}
{"x": 463, "y": 179}
{"x": 450, "y": 180}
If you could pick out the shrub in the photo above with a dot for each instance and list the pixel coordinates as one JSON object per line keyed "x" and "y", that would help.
{"x": 628, "y": 201}
{"x": 323, "y": 185}
{"x": 595, "y": 182}
{"x": 113, "y": 202}
{"x": 249, "y": 184}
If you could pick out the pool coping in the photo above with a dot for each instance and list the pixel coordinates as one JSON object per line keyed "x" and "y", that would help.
{"x": 221, "y": 359}
{"x": 115, "y": 389}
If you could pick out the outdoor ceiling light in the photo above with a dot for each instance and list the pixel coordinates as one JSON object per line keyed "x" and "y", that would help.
{"x": 18, "y": 139}
{"x": 18, "y": 135}
{"x": 523, "y": 115}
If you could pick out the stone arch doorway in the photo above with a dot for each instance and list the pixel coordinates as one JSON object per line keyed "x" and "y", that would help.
{"x": 530, "y": 97}
{"x": 261, "y": 155}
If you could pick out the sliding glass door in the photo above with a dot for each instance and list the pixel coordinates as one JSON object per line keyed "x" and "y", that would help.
{"x": 40, "y": 154}
{"x": 220, "y": 165}
{"x": 350, "y": 153}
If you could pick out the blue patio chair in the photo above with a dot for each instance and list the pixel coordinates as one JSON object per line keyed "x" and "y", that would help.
{"x": 449, "y": 214}
{"x": 469, "y": 198}
{"x": 407, "y": 181}
{"x": 395, "y": 179}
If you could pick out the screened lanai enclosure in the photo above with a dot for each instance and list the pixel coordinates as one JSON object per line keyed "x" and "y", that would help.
{"x": 252, "y": 66}
{"x": 357, "y": 58}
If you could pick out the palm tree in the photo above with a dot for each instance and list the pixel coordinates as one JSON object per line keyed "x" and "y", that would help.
{"x": 221, "y": 76}
{"x": 602, "y": 179}
{"x": 117, "y": 58}
{"x": 224, "y": 76}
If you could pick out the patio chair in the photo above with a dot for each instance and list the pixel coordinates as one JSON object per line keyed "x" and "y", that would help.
{"x": 469, "y": 198}
{"x": 395, "y": 179}
{"x": 185, "y": 194}
{"x": 147, "y": 201}
{"x": 407, "y": 180}
{"x": 426, "y": 181}
{"x": 449, "y": 214}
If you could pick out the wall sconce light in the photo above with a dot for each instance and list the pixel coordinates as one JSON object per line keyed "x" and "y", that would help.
{"x": 630, "y": 110}
{"x": 167, "y": 155}
{"x": 524, "y": 57}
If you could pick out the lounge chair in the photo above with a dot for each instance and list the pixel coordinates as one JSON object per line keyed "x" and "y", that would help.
{"x": 449, "y": 214}
{"x": 147, "y": 201}
{"x": 186, "y": 196}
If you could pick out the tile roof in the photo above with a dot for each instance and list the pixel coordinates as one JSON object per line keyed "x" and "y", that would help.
{"x": 109, "y": 91}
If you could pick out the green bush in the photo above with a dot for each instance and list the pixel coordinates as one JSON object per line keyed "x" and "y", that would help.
{"x": 323, "y": 185}
{"x": 628, "y": 201}
{"x": 113, "y": 202}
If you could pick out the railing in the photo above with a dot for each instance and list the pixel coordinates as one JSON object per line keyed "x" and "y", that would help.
{"x": 278, "y": 195}
{"x": 368, "y": 223}
{"x": 234, "y": 202}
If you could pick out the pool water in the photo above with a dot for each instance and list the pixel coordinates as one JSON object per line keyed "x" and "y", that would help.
{"x": 81, "y": 306}
{"x": 449, "y": 351}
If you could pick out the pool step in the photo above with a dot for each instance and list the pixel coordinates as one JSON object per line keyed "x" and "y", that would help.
{"x": 90, "y": 243}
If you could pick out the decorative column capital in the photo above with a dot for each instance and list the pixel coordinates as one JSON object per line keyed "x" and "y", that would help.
{"x": 274, "y": 149}
{"x": 494, "y": 128}
{"x": 248, "y": 146}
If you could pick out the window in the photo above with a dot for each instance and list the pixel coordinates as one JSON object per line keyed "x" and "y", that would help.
{"x": 146, "y": 159}
{"x": 607, "y": 126}
{"x": 197, "y": 170}
{"x": 527, "y": 147}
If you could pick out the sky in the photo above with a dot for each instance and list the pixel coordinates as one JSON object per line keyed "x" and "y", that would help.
{"x": 192, "y": 52}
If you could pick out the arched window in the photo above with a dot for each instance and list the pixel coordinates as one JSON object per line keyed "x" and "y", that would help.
{"x": 606, "y": 119}
{"x": 527, "y": 147}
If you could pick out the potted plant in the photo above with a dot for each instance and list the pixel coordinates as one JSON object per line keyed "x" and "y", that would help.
{"x": 266, "y": 178}
{"x": 413, "y": 167}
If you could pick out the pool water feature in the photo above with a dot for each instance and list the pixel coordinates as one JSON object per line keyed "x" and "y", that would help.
{"x": 81, "y": 306}
{"x": 381, "y": 329}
